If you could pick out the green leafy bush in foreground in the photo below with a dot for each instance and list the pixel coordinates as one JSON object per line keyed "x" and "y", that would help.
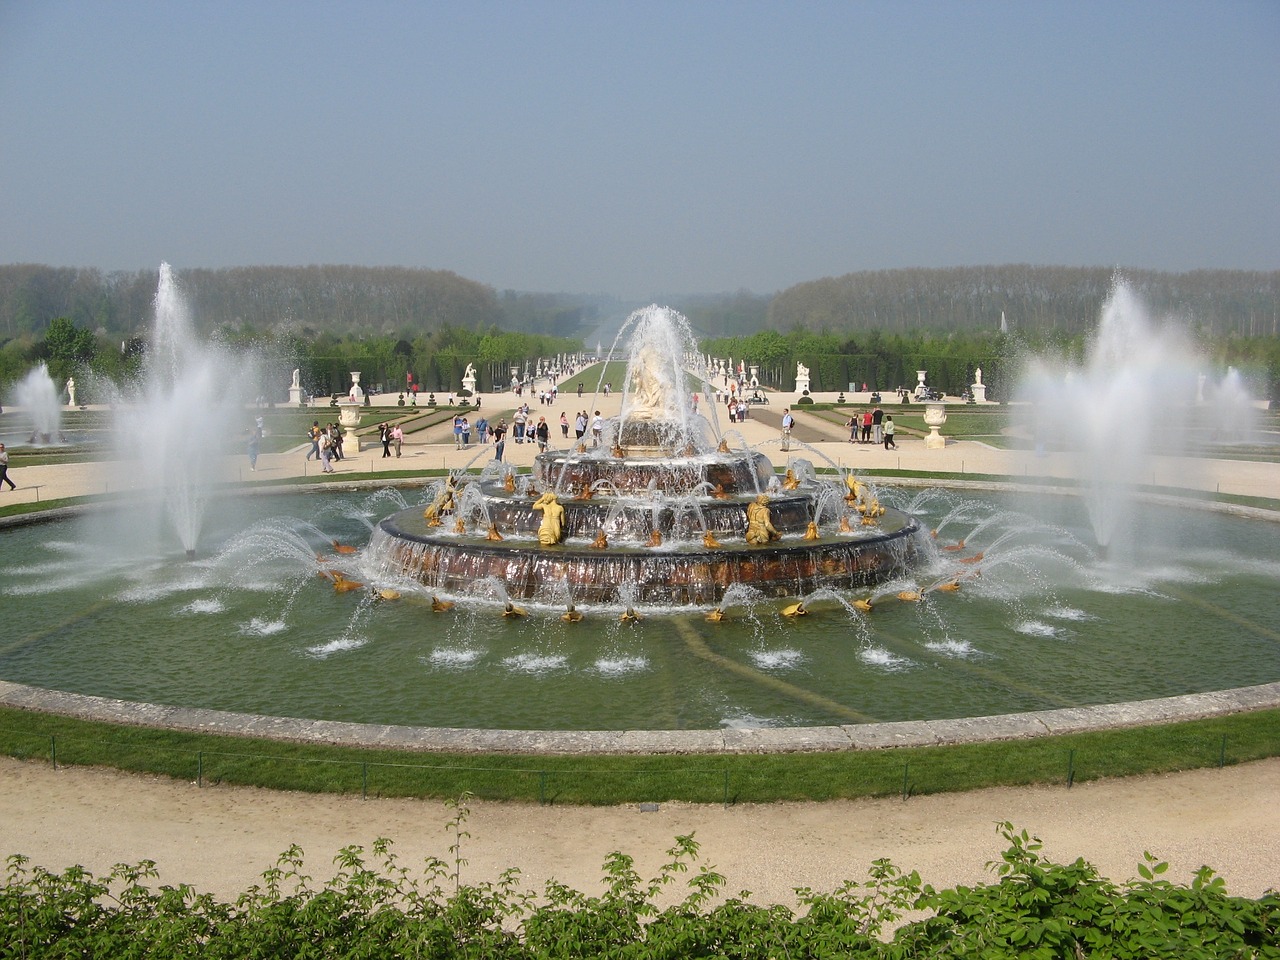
{"x": 1035, "y": 909}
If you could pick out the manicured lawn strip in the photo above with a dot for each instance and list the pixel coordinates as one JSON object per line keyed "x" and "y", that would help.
{"x": 753, "y": 778}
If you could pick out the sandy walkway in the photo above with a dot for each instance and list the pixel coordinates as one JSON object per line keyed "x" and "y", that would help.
{"x": 219, "y": 839}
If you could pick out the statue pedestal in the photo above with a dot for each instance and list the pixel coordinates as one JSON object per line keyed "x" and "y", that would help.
{"x": 979, "y": 391}
{"x": 935, "y": 415}
{"x": 295, "y": 396}
{"x": 802, "y": 385}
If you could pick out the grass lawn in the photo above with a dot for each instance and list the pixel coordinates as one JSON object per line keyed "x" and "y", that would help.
{"x": 749, "y": 778}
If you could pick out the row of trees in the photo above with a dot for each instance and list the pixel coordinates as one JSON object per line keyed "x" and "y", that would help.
{"x": 1033, "y": 300}
{"x": 434, "y": 361}
{"x": 885, "y": 361}
{"x": 386, "y": 300}
{"x": 881, "y": 361}
{"x": 389, "y": 323}
{"x": 400, "y": 301}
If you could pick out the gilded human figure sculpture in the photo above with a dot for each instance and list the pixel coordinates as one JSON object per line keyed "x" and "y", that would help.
{"x": 760, "y": 528}
{"x": 551, "y": 530}
{"x": 442, "y": 504}
{"x": 855, "y": 488}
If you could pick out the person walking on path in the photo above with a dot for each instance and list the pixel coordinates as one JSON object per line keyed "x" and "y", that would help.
{"x": 384, "y": 437}
{"x": 326, "y": 451}
{"x": 255, "y": 443}
{"x": 314, "y": 433}
{"x": 888, "y": 433}
{"x": 499, "y": 439}
{"x": 4, "y": 468}
{"x": 877, "y": 424}
{"x": 597, "y": 429}
{"x": 788, "y": 421}
{"x": 397, "y": 437}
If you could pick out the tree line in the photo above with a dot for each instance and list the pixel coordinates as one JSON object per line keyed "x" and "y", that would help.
{"x": 875, "y": 327}
{"x": 1032, "y": 300}
{"x": 433, "y": 362}
{"x": 385, "y": 300}
{"x": 886, "y": 361}
{"x": 397, "y": 300}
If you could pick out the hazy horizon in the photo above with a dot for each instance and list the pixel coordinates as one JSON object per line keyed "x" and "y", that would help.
{"x": 639, "y": 150}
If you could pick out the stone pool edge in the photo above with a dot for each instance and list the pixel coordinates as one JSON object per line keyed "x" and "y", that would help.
{"x": 869, "y": 736}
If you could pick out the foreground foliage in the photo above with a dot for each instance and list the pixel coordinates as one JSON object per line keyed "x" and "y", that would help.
{"x": 1035, "y": 908}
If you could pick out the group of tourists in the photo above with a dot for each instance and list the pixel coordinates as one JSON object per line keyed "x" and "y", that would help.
{"x": 461, "y": 432}
{"x": 872, "y": 426}
{"x": 866, "y": 427}
{"x": 326, "y": 445}
{"x": 738, "y": 409}
{"x": 389, "y": 435}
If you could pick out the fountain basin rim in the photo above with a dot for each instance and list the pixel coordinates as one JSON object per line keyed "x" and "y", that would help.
{"x": 818, "y": 739}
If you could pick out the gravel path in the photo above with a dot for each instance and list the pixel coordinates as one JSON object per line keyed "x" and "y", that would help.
{"x": 220, "y": 839}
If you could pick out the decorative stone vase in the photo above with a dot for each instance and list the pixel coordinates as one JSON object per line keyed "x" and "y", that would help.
{"x": 935, "y": 415}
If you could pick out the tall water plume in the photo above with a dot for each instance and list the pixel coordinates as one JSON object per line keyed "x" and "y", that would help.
{"x": 38, "y": 395}
{"x": 1130, "y": 398}
{"x": 178, "y": 423}
{"x": 656, "y": 400}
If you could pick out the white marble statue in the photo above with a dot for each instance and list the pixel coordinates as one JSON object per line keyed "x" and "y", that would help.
{"x": 648, "y": 396}
{"x": 71, "y": 391}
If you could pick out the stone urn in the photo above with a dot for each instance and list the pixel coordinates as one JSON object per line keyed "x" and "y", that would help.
{"x": 349, "y": 414}
{"x": 935, "y": 415}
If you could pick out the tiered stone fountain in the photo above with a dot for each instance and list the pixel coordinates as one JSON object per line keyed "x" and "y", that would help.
{"x": 665, "y": 511}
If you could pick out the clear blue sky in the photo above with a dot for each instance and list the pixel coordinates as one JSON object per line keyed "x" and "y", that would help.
{"x": 640, "y": 148}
